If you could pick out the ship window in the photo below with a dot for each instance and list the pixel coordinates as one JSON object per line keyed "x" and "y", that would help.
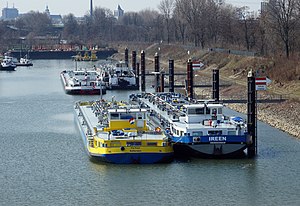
{"x": 231, "y": 132}
{"x": 114, "y": 116}
{"x": 196, "y": 111}
{"x": 191, "y": 111}
{"x": 219, "y": 110}
{"x": 214, "y": 111}
{"x": 181, "y": 133}
{"x": 140, "y": 116}
{"x": 173, "y": 130}
{"x": 126, "y": 116}
{"x": 197, "y": 133}
{"x": 215, "y": 132}
{"x": 207, "y": 110}
{"x": 199, "y": 110}
{"x": 134, "y": 144}
{"x": 151, "y": 143}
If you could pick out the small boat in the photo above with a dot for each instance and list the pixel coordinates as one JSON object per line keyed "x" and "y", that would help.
{"x": 25, "y": 61}
{"x": 197, "y": 128}
{"x": 86, "y": 57}
{"x": 8, "y": 64}
{"x": 119, "y": 76}
{"x": 94, "y": 56}
{"x": 77, "y": 57}
{"x": 117, "y": 132}
{"x": 82, "y": 82}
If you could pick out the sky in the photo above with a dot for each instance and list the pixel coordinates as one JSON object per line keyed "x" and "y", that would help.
{"x": 81, "y": 7}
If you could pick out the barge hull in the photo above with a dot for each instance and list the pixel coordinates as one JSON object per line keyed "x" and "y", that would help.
{"x": 84, "y": 92}
{"x": 141, "y": 158}
{"x": 135, "y": 87}
{"x": 210, "y": 150}
{"x": 102, "y": 54}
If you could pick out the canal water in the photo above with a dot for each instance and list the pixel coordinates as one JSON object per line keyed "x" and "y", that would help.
{"x": 43, "y": 161}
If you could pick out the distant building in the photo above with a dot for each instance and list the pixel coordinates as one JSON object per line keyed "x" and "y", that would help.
{"x": 119, "y": 12}
{"x": 265, "y": 5}
{"x": 55, "y": 19}
{"x": 9, "y": 13}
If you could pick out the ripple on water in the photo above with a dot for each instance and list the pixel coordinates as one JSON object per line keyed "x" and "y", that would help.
{"x": 43, "y": 161}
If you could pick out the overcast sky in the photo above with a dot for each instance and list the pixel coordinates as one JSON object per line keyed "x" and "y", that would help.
{"x": 81, "y": 7}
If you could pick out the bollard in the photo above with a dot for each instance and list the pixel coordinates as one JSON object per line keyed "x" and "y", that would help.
{"x": 216, "y": 85}
{"x": 171, "y": 75}
{"x": 251, "y": 116}
{"x": 190, "y": 91}
{"x": 143, "y": 71}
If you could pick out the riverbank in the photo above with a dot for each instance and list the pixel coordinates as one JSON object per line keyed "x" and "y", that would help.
{"x": 61, "y": 54}
{"x": 233, "y": 69}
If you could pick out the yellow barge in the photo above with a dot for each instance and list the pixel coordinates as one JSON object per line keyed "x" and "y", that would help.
{"x": 119, "y": 133}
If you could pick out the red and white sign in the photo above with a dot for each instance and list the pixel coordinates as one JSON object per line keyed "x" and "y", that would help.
{"x": 197, "y": 65}
{"x": 261, "y": 83}
{"x": 261, "y": 80}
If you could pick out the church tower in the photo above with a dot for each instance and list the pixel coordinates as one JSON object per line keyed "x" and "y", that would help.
{"x": 47, "y": 11}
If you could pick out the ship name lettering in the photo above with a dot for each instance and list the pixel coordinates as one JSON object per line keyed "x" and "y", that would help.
{"x": 135, "y": 150}
{"x": 217, "y": 139}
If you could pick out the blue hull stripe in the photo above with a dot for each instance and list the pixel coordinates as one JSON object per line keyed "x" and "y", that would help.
{"x": 212, "y": 139}
{"x": 138, "y": 158}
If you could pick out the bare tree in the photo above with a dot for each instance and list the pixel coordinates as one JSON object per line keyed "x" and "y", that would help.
{"x": 212, "y": 16}
{"x": 166, "y": 7}
{"x": 227, "y": 26}
{"x": 8, "y": 35}
{"x": 36, "y": 22}
{"x": 71, "y": 29}
{"x": 190, "y": 10}
{"x": 263, "y": 38}
{"x": 180, "y": 24}
{"x": 150, "y": 25}
{"x": 248, "y": 23}
{"x": 282, "y": 20}
{"x": 198, "y": 14}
